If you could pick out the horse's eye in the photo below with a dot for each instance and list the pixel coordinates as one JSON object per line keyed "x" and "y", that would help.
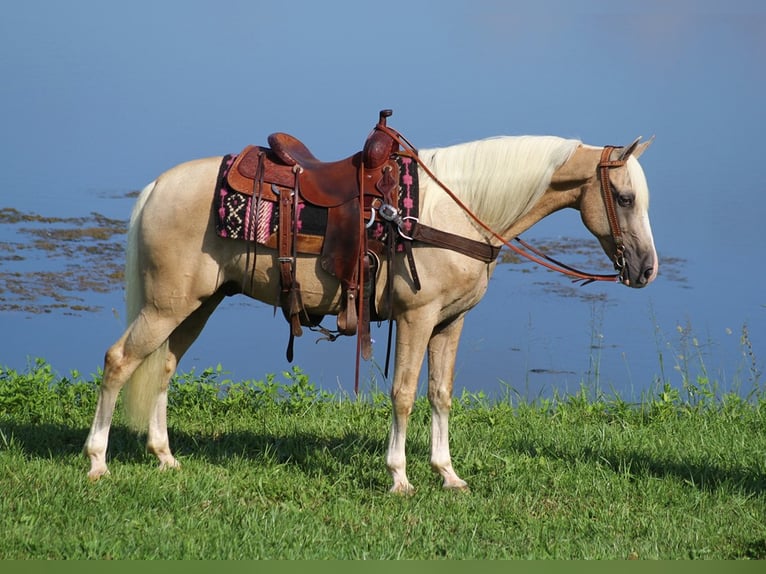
{"x": 625, "y": 200}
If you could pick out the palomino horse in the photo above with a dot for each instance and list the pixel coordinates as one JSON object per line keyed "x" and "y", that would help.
{"x": 178, "y": 270}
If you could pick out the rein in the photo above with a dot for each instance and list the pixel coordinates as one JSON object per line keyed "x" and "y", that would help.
{"x": 537, "y": 256}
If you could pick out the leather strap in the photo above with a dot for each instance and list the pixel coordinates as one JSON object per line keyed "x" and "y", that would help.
{"x": 611, "y": 210}
{"x": 363, "y": 337}
{"x": 411, "y": 263}
{"x": 477, "y": 249}
{"x": 284, "y": 244}
{"x": 292, "y": 304}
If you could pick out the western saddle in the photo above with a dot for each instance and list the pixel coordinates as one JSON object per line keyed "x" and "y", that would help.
{"x": 289, "y": 174}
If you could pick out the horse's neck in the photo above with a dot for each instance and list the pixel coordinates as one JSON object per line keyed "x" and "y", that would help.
{"x": 500, "y": 179}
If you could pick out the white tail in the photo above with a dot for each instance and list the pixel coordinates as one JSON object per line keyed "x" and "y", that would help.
{"x": 141, "y": 390}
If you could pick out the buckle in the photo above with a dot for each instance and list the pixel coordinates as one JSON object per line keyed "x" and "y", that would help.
{"x": 390, "y": 213}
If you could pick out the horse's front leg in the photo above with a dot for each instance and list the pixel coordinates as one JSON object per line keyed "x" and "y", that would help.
{"x": 412, "y": 333}
{"x": 442, "y": 350}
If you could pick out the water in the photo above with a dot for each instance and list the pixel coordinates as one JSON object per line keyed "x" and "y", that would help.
{"x": 101, "y": 99}
{"x": 534, "y": 333}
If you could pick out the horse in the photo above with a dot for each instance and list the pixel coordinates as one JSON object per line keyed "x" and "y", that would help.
{"x": 178, "y": 269}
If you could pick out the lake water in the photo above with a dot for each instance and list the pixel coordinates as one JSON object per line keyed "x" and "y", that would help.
{"x": 96, "y": 101}
{"x": 534, "y": 333}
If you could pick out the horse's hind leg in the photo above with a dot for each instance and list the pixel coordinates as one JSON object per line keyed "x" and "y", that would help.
{"x": 139, "y": 341}
{"x": 157, "y": 440}
{"x": 112, "y": 382}
{"x": 442, "y": 350}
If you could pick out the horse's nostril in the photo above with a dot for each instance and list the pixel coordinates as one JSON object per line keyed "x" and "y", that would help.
{"x": 648, "y": 273}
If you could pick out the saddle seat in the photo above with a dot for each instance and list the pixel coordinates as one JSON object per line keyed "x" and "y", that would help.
{"x": 326, "y": 184}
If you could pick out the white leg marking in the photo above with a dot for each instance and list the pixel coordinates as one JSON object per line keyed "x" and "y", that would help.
{"x": 442, "y": 350}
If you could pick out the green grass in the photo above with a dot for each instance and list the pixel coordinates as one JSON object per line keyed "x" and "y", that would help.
{"x": 279, "y": 469}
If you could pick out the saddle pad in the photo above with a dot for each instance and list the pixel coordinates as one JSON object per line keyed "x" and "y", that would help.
{"x": 241, "y": 216}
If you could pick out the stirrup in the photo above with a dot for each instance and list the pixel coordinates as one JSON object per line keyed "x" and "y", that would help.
{"x": 347, "y": 318}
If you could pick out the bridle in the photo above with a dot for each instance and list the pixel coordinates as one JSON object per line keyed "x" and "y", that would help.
{"x": 577, "y": 276}
{"x": 604, "y": 165}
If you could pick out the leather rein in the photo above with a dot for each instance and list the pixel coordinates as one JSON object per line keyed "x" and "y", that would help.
{"x": 422, "y": 233}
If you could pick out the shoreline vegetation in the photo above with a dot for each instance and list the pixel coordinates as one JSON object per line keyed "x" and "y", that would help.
{"x": 277, "y": 468}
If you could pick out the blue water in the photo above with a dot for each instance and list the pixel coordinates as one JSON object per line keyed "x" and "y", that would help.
{"x": 534, "y": 334}
{"x": 98, "y": 100}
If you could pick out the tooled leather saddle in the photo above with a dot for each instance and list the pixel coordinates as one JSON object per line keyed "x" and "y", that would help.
{"x": 288, "y": 173}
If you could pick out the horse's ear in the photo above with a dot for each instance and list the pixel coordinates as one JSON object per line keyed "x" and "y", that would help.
{"x": 635, "y": 149}
{"x": 641, "y": 148}
{"x": 627, "y": 151}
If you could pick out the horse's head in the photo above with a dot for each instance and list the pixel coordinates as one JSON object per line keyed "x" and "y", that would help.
{"x": 614, "y": 205}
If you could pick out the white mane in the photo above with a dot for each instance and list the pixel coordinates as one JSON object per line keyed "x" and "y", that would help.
{"x": 499, "y": 178}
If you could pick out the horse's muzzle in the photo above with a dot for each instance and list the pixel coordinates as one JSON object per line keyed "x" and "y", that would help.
{"x": 644, "y": 275}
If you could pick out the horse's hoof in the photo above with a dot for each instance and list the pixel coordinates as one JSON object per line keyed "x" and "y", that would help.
{"x": 170, "y": 464}
{"x": 458, "y": 484}
{"x": 97, "y": 473}
{"x": 404, "y": 489}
